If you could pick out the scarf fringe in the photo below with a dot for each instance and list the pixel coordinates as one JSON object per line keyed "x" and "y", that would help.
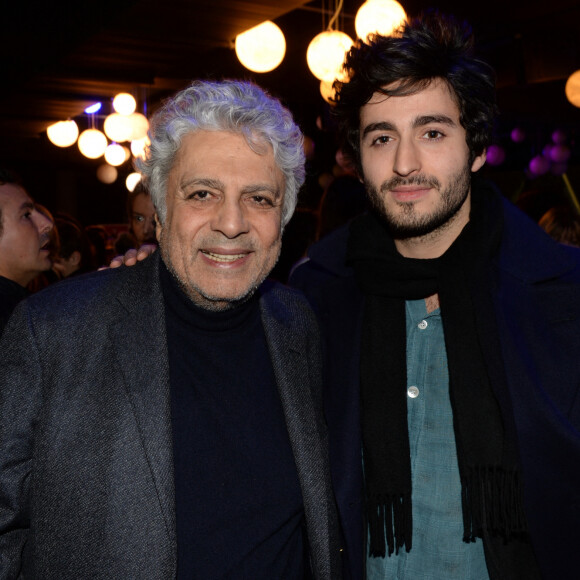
{"x": 390, "y": 518}
{"x": 492, "y": 501}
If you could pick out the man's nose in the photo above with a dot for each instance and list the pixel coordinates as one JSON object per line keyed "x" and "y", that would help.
{"x": 230, "y": 218}
{"x": 407, "y": 159}
{"x": 42, "y": 223}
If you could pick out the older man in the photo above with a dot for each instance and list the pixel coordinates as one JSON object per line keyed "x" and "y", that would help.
{"x": 24, "y": 236}
{"x": 207, "y": 457}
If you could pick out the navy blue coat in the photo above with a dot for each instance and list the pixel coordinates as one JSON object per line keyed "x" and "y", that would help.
{"x": 535, "y": 284}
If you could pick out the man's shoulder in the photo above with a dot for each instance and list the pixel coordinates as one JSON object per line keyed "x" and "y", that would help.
{"x": 529, "y": 253}
{"x": 93, "y": 293}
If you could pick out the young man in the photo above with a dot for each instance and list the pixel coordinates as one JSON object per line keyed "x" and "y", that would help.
{"x": 180, "y": 434}
{"x": 450, "y": 325}
{"x": 24, "y": 236}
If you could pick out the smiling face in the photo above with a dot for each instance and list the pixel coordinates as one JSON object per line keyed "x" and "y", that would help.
{"x": 416, "y": 168}
{"x": 222, "y": 234}
{"x": 25, "y": 232}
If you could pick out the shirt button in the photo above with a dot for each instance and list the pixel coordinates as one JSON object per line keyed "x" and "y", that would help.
{"x": 422, "y": 325}
{"x": 413, "y": 392}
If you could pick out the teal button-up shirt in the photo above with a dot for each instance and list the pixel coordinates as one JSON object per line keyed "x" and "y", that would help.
{"x": 438, "y": 551}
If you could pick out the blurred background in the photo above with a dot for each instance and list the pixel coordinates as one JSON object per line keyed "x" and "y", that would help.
{"x": 58, "y": 58}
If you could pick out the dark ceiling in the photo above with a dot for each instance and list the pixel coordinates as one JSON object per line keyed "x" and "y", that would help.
{"x": 59, "y": 57}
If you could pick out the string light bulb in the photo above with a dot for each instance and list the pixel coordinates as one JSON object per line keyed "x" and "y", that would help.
{"x": 326, "y": 52}
{"x": 382, "y": 17}
{"x": 92, "y": 143}
{"x": 261, "y": 48}
{"x": 63, "y": 133}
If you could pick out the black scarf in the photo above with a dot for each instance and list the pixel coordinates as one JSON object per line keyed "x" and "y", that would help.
{"x": 492, "y": 498}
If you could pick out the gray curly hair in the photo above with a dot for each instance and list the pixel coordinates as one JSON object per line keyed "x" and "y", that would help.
{"x": 236, "y": 106}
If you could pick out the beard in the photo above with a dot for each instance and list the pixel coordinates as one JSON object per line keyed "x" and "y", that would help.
{"x": 408, "y": 223}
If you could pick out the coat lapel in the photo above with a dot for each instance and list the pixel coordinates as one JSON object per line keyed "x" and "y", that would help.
{"x": 140, "y": 345}
{"x": 294, "y": 346}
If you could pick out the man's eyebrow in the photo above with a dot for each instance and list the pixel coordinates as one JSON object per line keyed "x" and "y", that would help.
{"x": 204, "y": 182}
{"x": 27, "y": 205}
{"x": 381, "y": 126}
{"x": 256, "y": 188}
{"x": 428, "y": 119}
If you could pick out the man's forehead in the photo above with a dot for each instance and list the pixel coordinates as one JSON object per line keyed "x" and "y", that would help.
{"x": 425, "y": 97}
{"x": 12, "y": 194}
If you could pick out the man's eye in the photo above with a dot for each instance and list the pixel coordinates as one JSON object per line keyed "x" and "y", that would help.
{"x": 433, "y": 134}
{"x": 199, "y": 195}
{"x": 382, "y": 140}
{"x": 262, "y": 200}
{"x": 139, "y": 218}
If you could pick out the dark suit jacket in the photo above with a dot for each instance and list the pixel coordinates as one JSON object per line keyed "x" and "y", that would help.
{"x": 535, "y": 287}
{"x": 86, "y": 473}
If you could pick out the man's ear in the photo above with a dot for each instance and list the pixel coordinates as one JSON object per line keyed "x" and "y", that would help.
{"x": 75, "y": 258}
{"x": 479, "y": 161}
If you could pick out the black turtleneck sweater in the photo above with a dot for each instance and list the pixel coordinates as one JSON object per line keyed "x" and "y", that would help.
{"x": 238, "y": 502}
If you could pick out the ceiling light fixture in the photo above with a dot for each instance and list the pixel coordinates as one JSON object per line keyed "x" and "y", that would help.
{"x": 382, "y": 17}
{"x": 573, "y": 88}
{"x": 115, "y": 155}
{"x": 63, "y": 133}
{"x": 261, "y": 48}
{"x": 132, "y": 180}
{"x": 92, "y": 143}
{"x": 124, "y": 103}
{"x": 326, "y": 51}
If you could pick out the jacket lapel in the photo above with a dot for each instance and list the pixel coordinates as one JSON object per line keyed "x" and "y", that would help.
{"x": 140, "y": 345}
{"x": 294, "y": 347}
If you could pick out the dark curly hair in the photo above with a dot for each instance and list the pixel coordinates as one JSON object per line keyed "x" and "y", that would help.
{"x": 428, "y": 47}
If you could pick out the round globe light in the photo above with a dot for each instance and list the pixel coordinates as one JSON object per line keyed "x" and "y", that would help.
{"x": 140, "y": 126}
{"x": 92, "y": 143}
{"x": 107, "y": 174}
{"x": 262, "y": 48}
{"x": 518, "y": 135}
{"x": 132, "y": 180}
{"x": 560, "y": 153}
{"x": 379, "y": 16}
{"x": 559, "y": 137}
{"x": 115, "y": 154}
{"x": 539, "y": 165}
{"x": 138, "y": 146}
{"x": 573, "y": 88}
{"x": 118, "y": 127}
{"x": 124, "y": 103}
{"x": 325, "y": 54}
{"x": 495, "y": 155}
{"x": 63, "y": 133}
{"x": 327, "y": 91}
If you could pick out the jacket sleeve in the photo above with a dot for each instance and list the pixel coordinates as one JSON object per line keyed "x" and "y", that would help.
{"x": 20, "y": 403}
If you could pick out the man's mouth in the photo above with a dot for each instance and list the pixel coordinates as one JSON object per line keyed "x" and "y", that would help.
{"x": 223, "y": 257}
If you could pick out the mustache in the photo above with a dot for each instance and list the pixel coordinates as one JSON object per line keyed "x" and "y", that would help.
{"x": 420, "y": 180}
